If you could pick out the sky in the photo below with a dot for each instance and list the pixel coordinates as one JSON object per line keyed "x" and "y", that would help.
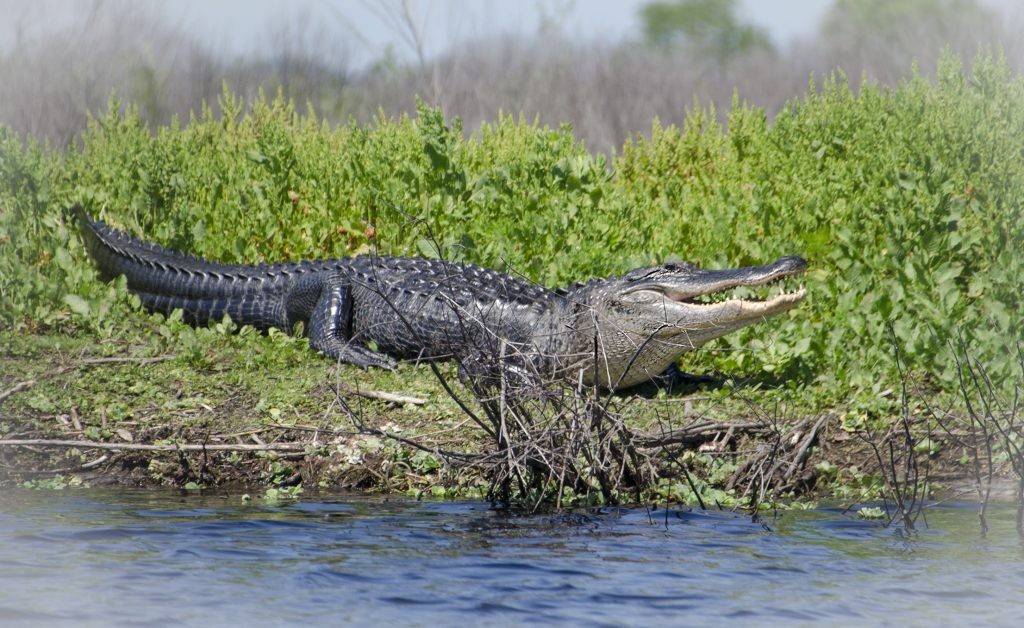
{"x": 233, "y": 24}
{"x": 366, "y": 29}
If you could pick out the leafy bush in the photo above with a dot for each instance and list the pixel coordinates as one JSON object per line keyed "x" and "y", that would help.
{"x": 906, "y": 202}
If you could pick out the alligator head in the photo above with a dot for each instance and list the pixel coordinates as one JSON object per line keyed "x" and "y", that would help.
{"x": 644, "y": 320}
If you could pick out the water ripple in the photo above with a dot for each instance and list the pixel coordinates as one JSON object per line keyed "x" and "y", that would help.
{"x": 107, "y": 557}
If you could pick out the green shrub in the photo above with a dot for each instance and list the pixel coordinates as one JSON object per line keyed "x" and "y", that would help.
{"x": 905, "y": 201}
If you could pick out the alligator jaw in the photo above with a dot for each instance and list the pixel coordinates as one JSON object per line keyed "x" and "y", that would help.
{"x": 706, "y": 303}
{"x": 646, "y": 319}
{"x": 734, "y": 310}
{"x": 683, "y": 300}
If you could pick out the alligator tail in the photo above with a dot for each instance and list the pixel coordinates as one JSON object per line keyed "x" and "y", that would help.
{"x": 152, "y": 269}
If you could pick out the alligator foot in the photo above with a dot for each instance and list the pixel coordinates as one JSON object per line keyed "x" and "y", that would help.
{"x": 365, "y": 358}
{"x": 350, "y": 353}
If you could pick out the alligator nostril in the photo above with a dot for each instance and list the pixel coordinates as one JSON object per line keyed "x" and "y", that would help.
{"x": 793, "y": 262}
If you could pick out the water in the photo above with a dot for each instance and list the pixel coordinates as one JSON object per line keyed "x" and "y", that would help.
{"x": 143, "y": 557}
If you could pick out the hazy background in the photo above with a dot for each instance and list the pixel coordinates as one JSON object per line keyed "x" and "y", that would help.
{"x": 607, "y": 67}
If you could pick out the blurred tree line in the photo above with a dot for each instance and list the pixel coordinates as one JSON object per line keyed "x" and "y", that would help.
{"x": 686, "y": 50}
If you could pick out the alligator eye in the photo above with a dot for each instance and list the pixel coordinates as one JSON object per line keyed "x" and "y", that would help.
{"x": 638, "y": 274}
{"x": 674, "y": 267}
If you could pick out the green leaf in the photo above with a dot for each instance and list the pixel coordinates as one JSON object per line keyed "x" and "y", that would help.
{"x": 199, "y": 230}
{"x": 77, "y": 304}
{"x": 428, "y": 248}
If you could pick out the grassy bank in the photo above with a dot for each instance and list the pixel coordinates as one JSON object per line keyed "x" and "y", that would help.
{"x": 906, "y": 203}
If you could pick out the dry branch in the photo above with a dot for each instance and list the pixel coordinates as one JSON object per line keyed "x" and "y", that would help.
{"x": 382, "y": 396}
{"x": 88, "y": 444}
{"x": 695, "y": 434}
{"x": 126, "y": 360}
{"x": 20, "y": 386}
{"x": 800, "y": 457}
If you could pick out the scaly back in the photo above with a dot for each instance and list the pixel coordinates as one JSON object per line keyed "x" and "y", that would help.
{"x": 152, "y": 269}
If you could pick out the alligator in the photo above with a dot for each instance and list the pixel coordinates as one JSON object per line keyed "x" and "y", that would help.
{"x": 371, "y": 310}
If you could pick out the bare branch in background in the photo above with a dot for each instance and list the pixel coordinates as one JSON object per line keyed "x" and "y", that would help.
{"x": 53, "y": 77}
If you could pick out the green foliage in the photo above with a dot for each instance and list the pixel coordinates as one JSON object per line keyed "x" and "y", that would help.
{"x": 906, "y": 202}
{"x": 281, "y": 494}
{"x": 56, "y": 483}
{"x": 709, "y": 26}
{"x": 871, "y": 513}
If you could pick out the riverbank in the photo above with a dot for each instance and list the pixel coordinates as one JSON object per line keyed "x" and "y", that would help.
{"x": 116, "y": 413}
{"x": 893, "y": 371}
{"x": 264, "y": 412}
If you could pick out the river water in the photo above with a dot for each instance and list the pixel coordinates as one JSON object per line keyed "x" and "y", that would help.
{"x": 153, "y": 557}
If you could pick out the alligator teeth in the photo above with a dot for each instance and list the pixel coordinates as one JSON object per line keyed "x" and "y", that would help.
{"x": 770, "y": 290}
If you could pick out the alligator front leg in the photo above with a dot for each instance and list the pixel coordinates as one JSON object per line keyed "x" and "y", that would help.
{"x": 329, "y": 325}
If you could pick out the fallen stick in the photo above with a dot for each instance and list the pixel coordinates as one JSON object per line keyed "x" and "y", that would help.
{"x": 17, "y": 388}
{"x": 122, "y": 360}
{"x": 97, "y": 462}
{"x": 88, "y": 444}
{"x": 383, "y": 396}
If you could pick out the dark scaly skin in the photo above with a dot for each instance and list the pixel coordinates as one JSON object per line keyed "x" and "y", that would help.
{"x": 413, "y": 308}
{"x": 408, "y": 307}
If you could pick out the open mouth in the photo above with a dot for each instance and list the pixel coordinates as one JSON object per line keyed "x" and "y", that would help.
{"x": 777, "y": 289}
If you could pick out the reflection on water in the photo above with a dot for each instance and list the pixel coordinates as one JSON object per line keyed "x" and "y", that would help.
{"x": 118, "y": 557}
